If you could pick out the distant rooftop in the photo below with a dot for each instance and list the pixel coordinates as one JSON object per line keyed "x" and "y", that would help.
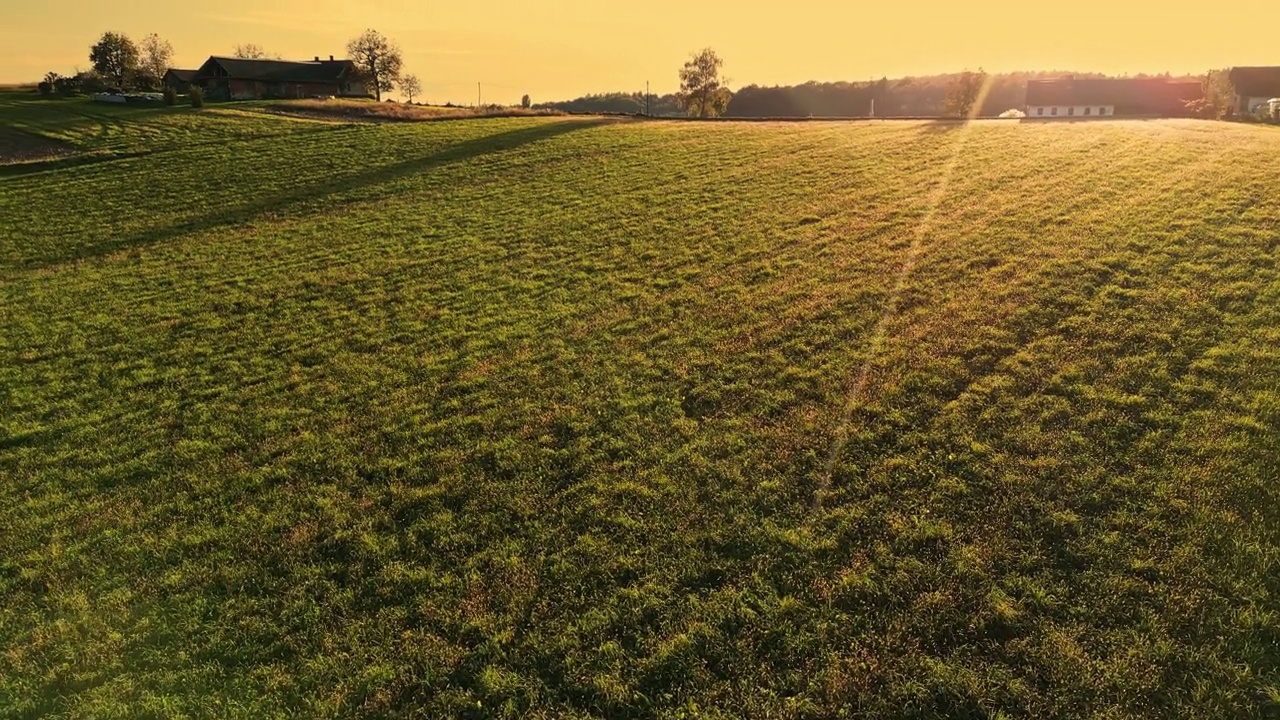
{"x": 1256, "y": 81}
{"x": 1127, "y": 95}
{"x": 276, "y": 70}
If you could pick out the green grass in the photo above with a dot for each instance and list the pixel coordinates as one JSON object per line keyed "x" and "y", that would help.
{"x": 576, "y": 418}
{"x": 342, "y": 109}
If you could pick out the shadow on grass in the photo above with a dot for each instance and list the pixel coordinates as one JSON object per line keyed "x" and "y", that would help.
{"x": 19, "y": 146}
{"x": 94, "y": 157}
{"x": 76, "y": 117}
{"x": 68, "y": 161}
{"x": 941, "y": 126}
{"x": 313, "y": 195}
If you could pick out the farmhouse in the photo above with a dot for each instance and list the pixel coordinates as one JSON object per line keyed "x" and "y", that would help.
{"x": 179, "y": 80}
{"x": 1106, "y": 97}
{"x": 226, "y": 78}
{"x": 1254, "y": 87}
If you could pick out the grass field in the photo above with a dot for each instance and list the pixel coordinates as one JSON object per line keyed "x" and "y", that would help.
{"x": 586, "y": 418}
{"x": 337, "y": 109}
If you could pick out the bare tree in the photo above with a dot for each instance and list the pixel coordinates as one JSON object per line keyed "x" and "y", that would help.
{"x": 702, "y": 90}
{"x": 409, "y": 86}
{"x": 157, "y": 54}
{"x": 250, "y": 51}
{"x": 378, "y": 59}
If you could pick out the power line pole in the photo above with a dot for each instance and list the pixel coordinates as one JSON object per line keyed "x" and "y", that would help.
{"x": 477, "y": 94}
{"x": 648, "y": 109}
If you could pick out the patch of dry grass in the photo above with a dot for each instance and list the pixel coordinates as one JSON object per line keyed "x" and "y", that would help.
{"x": 18, "y": 146}
{"x": 399, "y": 112}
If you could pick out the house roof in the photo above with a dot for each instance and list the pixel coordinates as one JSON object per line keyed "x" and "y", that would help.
{"x": 318, "y": 71}
{"x": 1069, "y": 91}
{"x": 1256, "y": 81}
{"x": 1155, "y": 96}
{"x": 183, "y": 75}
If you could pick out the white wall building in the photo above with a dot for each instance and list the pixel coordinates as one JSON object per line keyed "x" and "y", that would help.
{"x": 1070, "y": 111}
{"x": 1071, "y": 98}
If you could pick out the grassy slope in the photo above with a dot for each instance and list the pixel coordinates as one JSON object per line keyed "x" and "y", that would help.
{"x": 371, "y": 110}
{"x": 471, "y": 419}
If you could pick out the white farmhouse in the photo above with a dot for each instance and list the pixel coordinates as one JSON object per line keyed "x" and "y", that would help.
{"x": 1071, "y": 98}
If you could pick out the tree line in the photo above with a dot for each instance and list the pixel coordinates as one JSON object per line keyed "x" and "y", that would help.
{"x": 704, "y": 93}
{"x": 936, "y": 95}
{"x": 624, "y": 103}
{"x": 929, "y": 96}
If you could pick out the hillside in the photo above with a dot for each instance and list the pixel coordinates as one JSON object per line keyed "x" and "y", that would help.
{"x": 547, "y": 417}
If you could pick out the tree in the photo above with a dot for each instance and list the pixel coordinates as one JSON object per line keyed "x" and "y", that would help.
{"x": 410, "y": 86}
{"x": 526, "y": 102}
{"x": 89, "y": 81}
{"x": 378, "y": 59}
{"x": 964, "y": 93}
{"x": 702, "y": 90}
{"x": 115, "y": 57}
{"x": 1218, "y": 96}
{"x": 249, "y": 51}
{"x": 157, "y": 56}
{"x": 50, "y": 83}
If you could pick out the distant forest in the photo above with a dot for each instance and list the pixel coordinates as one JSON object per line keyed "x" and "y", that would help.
{"x": 618, "y": 102}
{"x": 904, "y": 97}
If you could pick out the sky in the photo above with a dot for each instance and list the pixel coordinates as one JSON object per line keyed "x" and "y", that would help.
{"x": 560, "y": 49}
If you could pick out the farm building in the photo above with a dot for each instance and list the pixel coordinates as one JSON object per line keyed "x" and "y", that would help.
{"x": 1106, "y": 97}
{"x": 179, "y": 80}
{"x": 1254, "y": 87}
{"x": 226, "y": 78}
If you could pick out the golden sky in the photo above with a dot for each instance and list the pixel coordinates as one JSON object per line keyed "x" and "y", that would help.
{"x": 557, "y": 49}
